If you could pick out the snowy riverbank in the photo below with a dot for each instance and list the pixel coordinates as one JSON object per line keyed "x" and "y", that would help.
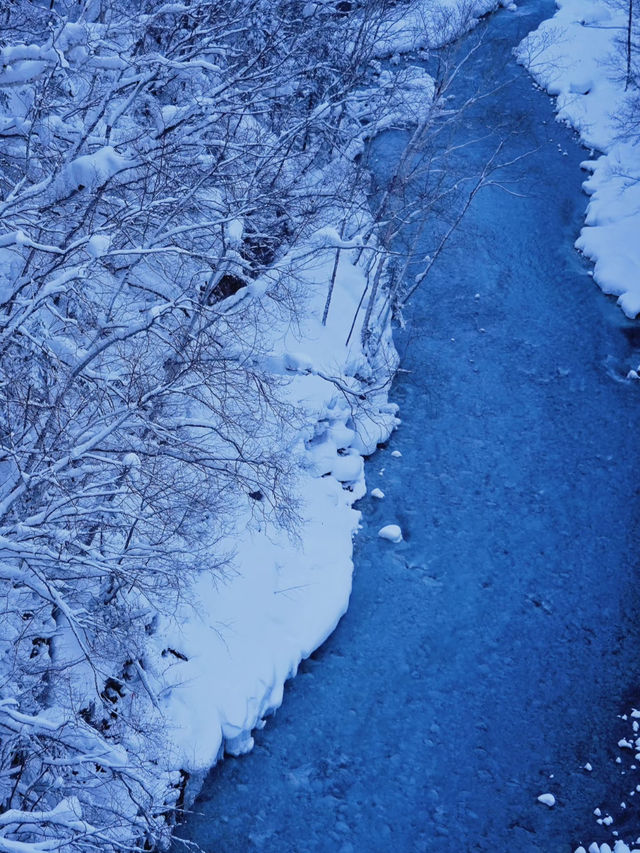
{"x": 481, "y": 660}
{"x": 286, "y": 589}
{"x": 285, "y": 595}
{"x": 579, "y": 56}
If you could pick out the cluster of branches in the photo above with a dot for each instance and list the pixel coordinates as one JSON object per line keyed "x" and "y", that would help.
{"x": 157, "y": 164}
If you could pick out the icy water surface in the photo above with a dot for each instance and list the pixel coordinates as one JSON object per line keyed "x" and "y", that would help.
{"x": 483, "y": 661}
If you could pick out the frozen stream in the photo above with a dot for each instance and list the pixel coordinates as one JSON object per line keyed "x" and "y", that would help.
{"x": 495, "y": 646}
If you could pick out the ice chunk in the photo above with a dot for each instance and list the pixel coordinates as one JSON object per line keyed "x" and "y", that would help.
{"x": 377, "y": 493}
{"x": 547, "y": 799}
{"x": 391, "y": 532}
{"x": 588, "y": 766}
{"x": 396, "y": 454}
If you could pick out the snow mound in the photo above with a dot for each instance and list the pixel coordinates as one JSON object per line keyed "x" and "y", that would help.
{"x": 576, "y": 56}
{"x": 391, "y": 532}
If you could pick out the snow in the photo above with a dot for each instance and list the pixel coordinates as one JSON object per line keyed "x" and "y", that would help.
{"x": 577, "y": 57}
{"x": 90, "y": 170}
{"x": 424, "y": 26}
{"x": 391, "y": 532}
{"x": 619, "y": 847}
{"x": 284, "y": 597}
{"x": 235, "y": 230}
{"x": 98, "y": 245}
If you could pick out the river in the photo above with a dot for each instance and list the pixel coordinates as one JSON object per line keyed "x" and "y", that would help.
{"x": 484, "y": 660}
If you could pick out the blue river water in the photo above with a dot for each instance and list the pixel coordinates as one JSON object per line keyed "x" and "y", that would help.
{"x": 485, "y": 659}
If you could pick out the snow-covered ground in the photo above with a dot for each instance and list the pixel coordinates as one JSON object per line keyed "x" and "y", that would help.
{"x": 286, "y": 590}
{"x": 433, "y": 23}
{"x": 579, "y": 57}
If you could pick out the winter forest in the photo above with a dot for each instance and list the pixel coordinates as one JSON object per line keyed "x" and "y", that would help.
{"x": 261, "y": 260}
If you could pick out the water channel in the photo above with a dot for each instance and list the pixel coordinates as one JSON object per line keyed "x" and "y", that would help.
{"x": 484, "y": 660}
